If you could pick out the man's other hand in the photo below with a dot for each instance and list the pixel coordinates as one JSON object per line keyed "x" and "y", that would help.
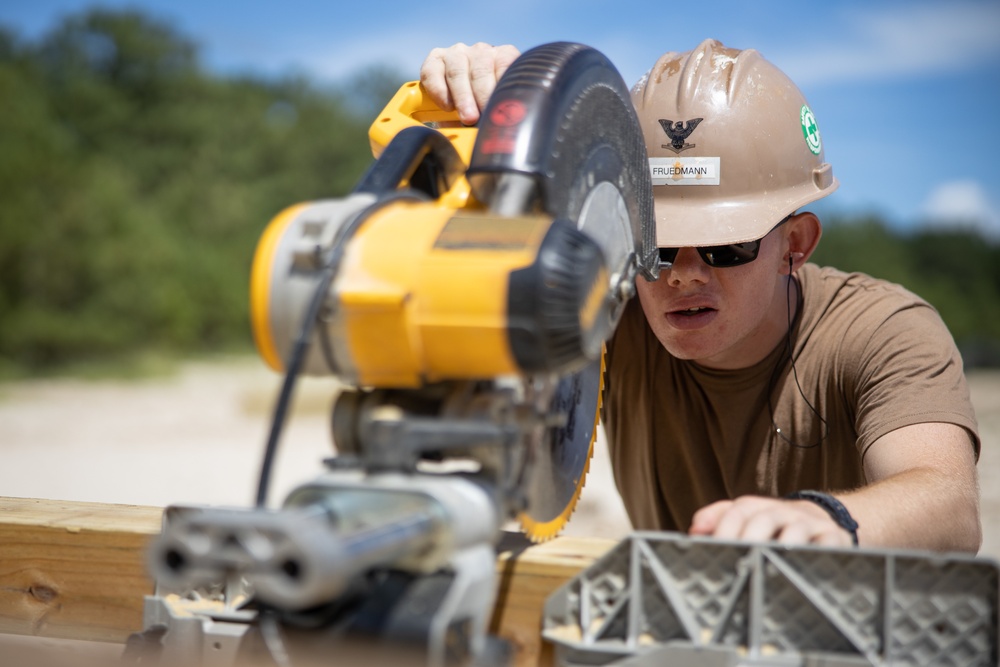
{"x": 760, "y": 519}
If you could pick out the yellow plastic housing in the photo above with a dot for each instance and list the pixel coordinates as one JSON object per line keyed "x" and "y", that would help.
{"x": 412, "y": 106}
{"x": 442, "y": 312}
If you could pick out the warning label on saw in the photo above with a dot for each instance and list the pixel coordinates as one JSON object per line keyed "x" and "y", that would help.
{"x": 485, "y": 232}
{"x": 684, "y": 170}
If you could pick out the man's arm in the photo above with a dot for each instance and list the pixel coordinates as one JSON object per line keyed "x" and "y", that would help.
{"x": 923, "y": 493}
{"x": 924, "y": 490}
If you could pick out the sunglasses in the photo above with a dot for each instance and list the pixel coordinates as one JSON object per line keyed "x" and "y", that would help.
{"x": 720, "y": 256}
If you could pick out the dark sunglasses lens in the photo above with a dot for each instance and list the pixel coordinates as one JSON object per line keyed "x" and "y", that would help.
{"x": 668, "y": 255}
{"x": 730, "y": 255}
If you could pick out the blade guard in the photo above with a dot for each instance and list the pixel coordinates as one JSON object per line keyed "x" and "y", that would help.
{"x": 563, "y": 115}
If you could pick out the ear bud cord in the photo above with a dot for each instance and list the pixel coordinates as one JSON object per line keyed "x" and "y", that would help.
{"x": 791, "y": 356}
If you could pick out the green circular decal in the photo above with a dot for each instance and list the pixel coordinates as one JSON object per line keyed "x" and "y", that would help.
{"x": 810, "y": 130}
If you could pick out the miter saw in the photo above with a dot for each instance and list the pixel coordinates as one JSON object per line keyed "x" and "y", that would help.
{"x": 463, "y": 293}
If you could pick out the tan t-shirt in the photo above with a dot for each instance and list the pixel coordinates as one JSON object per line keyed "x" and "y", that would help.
{"x": 870, "y": 357}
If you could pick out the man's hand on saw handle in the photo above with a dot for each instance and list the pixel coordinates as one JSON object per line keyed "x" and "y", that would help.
{"x": 462, "y": 77}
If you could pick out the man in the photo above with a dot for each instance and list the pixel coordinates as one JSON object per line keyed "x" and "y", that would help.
{"x": 751, "y": 395}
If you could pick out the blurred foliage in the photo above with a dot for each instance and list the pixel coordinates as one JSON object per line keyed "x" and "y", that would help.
{"x": 135, "y": 185}
{"x": 955, "y": 270}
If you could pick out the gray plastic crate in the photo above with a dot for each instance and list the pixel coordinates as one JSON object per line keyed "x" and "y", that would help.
{"x": 669, "y": 599}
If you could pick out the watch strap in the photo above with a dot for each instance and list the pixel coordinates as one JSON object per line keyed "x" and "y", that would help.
{"x": 833, "y": 507}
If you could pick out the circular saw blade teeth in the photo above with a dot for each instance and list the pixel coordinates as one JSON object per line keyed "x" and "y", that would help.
{"x": 539, "y": 529}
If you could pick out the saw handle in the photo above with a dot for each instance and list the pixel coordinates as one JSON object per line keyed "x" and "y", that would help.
{"x": 412, "y": 106}
{"x": 419, "y": 156}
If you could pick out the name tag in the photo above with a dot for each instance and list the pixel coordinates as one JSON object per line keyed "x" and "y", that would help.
{"x": 684, "y": 170}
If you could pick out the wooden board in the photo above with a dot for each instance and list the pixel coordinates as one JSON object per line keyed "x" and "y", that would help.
{"x": 528, "y": 575}
{"x": 73, "y": 570}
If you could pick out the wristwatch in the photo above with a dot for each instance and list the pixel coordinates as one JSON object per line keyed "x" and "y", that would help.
{"x": 833, "y": 507}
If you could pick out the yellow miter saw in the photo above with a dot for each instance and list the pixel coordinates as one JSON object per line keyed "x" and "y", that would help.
{"x": 462, "y": 293}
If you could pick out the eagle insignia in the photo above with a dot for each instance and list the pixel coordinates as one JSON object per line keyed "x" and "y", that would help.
{"x": 678, "y": 132}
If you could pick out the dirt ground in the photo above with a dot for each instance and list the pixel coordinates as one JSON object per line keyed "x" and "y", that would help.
{"x": 197, "y": 437}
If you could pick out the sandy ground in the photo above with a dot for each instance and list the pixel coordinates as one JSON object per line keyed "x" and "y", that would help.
{"x": 197, "y": 437}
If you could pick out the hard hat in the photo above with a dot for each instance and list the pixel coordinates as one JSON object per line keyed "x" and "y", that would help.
{"x": 733, "y": 146}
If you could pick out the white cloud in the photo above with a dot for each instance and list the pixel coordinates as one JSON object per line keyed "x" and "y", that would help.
{"x": 962, "y": 204}
{"x": 914, "y": 39}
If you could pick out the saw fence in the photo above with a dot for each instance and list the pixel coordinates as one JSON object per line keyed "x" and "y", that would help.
{"x": 73, "y": 570}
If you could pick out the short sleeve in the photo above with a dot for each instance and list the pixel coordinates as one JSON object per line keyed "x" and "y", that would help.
{"x": 908, "y": 371}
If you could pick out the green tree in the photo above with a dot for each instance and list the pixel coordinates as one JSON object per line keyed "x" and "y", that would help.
{"x": 956, "y": 270}
{"x": 135, "y": 187}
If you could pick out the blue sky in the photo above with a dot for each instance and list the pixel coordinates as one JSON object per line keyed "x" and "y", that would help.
{"x": 906, "y": 92}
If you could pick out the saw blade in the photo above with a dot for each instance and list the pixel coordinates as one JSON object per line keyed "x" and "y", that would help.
{"x": 559, "y": 470}
{"x": 561, "y": 121}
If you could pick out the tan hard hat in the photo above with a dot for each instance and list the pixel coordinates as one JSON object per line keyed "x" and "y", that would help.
{"x": 733, "y": 146}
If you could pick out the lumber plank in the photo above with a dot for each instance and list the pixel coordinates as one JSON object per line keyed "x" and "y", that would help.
{"x": 528, "y": 574}
{"x": 74, "y": 570}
